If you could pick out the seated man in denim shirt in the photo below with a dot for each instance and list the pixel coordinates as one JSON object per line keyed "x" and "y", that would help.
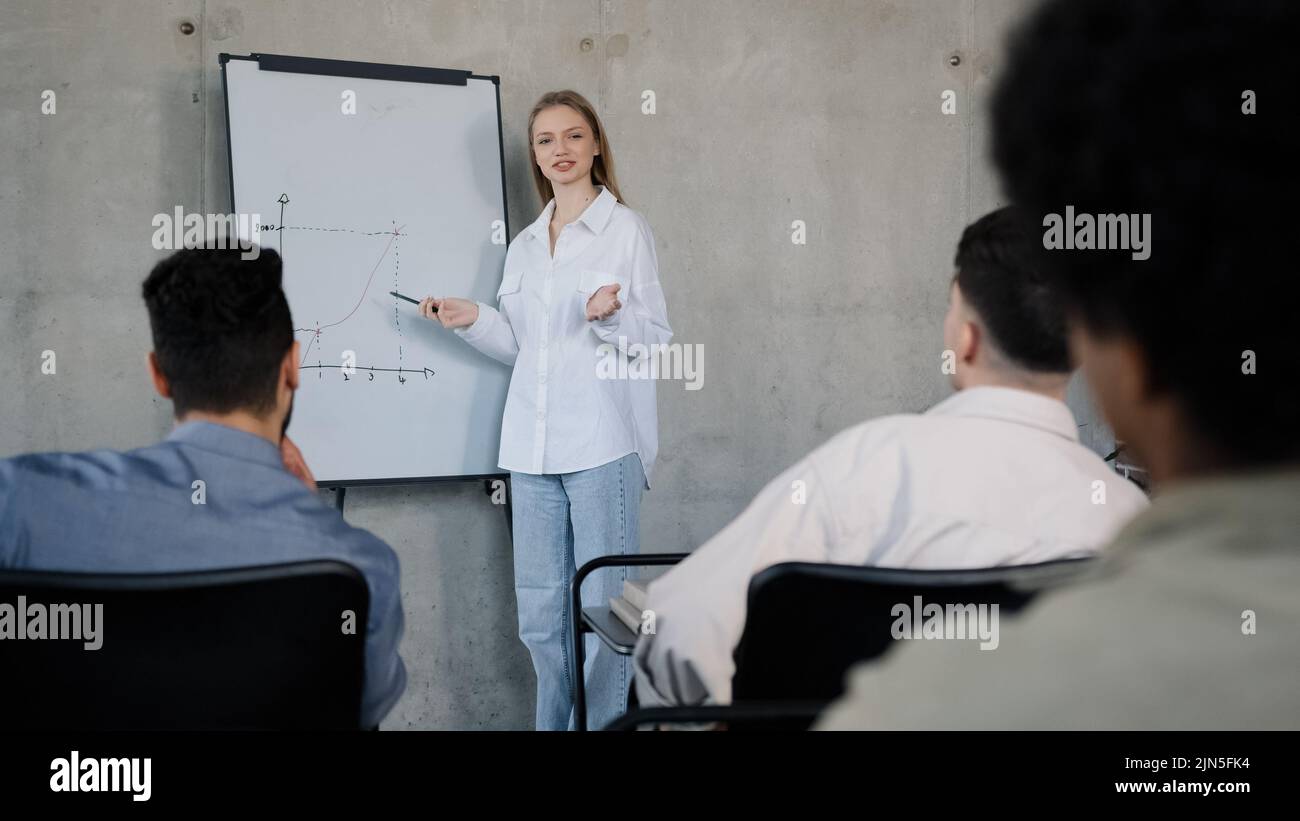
{"x": 224, "y": 353}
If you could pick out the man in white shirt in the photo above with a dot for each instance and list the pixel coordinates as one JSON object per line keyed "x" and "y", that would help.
{"x": 993, "y": 475}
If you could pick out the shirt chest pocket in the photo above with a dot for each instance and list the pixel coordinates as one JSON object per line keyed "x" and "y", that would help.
{"x": 591, "y": 280}
{"x": 510, "y": 299}
{"x": 511, "y": 283}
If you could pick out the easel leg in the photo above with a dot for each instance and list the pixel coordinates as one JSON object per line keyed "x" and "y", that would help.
{"x": 488, "y": 486}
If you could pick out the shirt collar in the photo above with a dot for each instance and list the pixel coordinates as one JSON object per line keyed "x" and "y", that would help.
{"x": 227, "y": 441}
{"x": 595, "y": 216}
{"x": 1011, "y": 405}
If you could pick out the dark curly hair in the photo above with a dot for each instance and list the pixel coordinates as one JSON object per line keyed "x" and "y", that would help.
{"x": 1124, "y": 107}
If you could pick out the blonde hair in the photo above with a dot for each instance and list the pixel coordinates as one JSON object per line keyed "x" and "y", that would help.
{"x": 602, "y": 165}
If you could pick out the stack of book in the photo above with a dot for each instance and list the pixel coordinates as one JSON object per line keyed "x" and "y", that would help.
{"x": 629, "y": 607}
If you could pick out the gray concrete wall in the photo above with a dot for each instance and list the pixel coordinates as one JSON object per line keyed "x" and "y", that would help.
{"x": 768, "y": 111}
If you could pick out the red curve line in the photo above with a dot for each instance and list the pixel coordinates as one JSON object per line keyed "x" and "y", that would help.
{"x": 368, "y": 281}
{"x": 316, "y": 332}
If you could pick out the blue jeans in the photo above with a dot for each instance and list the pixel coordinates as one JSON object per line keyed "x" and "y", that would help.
{"x": 562, "y": 521}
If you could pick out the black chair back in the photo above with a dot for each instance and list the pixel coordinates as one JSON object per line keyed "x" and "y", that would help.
{"x": 808, "y": 623}
{"x": 246, "y": 648}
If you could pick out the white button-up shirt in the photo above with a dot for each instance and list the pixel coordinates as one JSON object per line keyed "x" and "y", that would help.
{"x": 564, "y": 412}
{"x": 990, "y": 476}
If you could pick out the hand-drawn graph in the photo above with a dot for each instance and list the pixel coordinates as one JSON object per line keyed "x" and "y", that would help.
{"x": 401, "y": 195}
{"x": 391, "y": 251}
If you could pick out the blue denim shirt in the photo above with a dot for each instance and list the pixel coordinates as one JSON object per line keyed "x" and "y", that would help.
{"x": 112, "y": 512}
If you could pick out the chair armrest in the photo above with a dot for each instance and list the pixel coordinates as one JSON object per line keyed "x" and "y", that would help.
{"x": 636, "y": 560}
{"x": 575, "y": 602}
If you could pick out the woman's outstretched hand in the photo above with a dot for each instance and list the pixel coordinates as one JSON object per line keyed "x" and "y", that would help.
{"x": 452, "y": 312}
{"x": 604, "y": 302}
